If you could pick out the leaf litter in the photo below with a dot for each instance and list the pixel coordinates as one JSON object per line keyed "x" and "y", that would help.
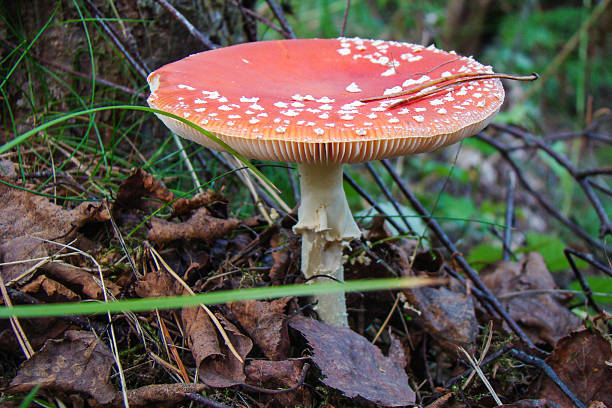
{"x": 213, "y": 248}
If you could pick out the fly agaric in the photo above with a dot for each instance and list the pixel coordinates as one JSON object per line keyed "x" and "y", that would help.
{"x": 321, "y": 103}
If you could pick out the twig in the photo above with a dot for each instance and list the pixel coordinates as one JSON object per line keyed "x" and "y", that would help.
{"x": 280, "y": 16}
{"x": 345, "y": 18}
{"x": 509, "y": 218}
{"x": 483, "y": 378}
{"x": 190, "y": 27}
{"x": 207, "y": 402}
{"x": 503, "y": 150}
{"x": 472, "y": 274}
{"x": 262, "y": 19}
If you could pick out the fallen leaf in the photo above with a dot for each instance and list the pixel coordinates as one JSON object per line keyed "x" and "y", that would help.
{"x": 49, "y": 290}
{"x": 76, "y": 277}
{"x": 24, "y": 217}
{"x": 217, "y": 365}
{"x": 79, "y": 363}
{"x": 279, "y": 374}
{"x": 266, "y": 323}
{"x": 186, "y": 205}
{"x": 138, "y": 186}
{"x": 158, "y": 395}
{"x": 579, "y": 360}
{"x": 157, "y": 284}
{"x": 541, "y": 315}
{"x": 199, "y": 226}
{"x": 352, "y": 365}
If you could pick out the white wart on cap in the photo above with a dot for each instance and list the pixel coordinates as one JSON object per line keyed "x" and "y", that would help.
{"x": 299, "y": 100}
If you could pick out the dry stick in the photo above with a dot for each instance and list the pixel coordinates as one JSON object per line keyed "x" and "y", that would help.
{"x": 605, "y": 227}
{"x": 587, "y": 132}
{"x": 345, "y": 17}
{"x": 207, "y": 402}
{"x": 280, "y": 16}
{"x": 509, "y": 218}
{"x": 372, "y": 202}
{"x": 483, "y": 378}
{"x": 389, "y": 196}
{"x": 134, "y": 60}
{"x": 472, "y": 274}
{"x": 576, "y": 229}
{"x": 192, "y": 30}
{"x": 262, "y": 19}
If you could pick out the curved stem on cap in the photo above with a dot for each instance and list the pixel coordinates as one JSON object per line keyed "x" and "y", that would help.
{"x": 327, "y": 226}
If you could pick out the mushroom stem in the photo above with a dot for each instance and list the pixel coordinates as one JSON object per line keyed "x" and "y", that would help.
{"x": 327, "y": 226}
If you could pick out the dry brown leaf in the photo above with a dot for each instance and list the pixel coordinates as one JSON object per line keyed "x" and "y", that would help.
{"x": 186, "y": 205}
{"x": 199, "y": 226}
{"x": 157, "y": 284}
{"x": 140, "y": 185}
{"x": 52, "y": 291}
{"x": 158, "y": 395}
{"x": 79, "y": 363}
{"x": 352, "y": 365}
{"x": 279, "y": 374}
{"x": 24, "y": 217}
{"x": 217, "y": 366}
{"x": 77, "y": 277}
{"x": 266, "y": 323}
{"x": 541, "y": 315}
{"x": 580, "y": 362}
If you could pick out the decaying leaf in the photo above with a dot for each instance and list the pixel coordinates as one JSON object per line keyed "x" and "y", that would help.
{"x": 279, "y": 374}
{"x": 157, "y": 284}
{"x": 87, "y": 282}
{"x": 24, "y": 217}
{"x": 582, "y": 361}
{"x": 218, "y": 367}
{"x": 541, "y": 315}
{"x": 199, "y": 226}
{"x": 138, "y": 186}
{"x": 266, "y": 323}
{"x": 186, "y": 205}
{"x": 352, "y": 365}
{"x": 77, "y": 364}
{"x": 50, "y": 290}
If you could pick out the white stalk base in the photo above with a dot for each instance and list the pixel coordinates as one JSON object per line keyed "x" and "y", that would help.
{"x": 327, "y": 226}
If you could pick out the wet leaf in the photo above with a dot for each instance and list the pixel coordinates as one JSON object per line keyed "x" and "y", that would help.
{"x": 218, "y": 367}
{"x": 199, "y": 226}
{"x": 79, "y": 363}
{"x": 541, "y": 315}
{"x": 353, "y": 366}
{"x": 266, "y": 323}
{"x": 582, "y": 362}
{"x": 138, "y": 186}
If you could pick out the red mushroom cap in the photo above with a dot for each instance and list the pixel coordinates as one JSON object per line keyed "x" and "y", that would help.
{"x": 300, "y": 100}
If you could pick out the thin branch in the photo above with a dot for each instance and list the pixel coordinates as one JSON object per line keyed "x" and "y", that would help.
{"x": 280, "y": 16}
{"x": 192, "y": 30}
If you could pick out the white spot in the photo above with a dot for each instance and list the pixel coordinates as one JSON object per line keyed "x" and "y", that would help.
{"x": 325, "y": 99}
{"x": 367, "y": 123}
{"x": 481, "y": 103}
{"x": 198, "y": 100}
{"x": 249, "y": 100}
{"x": 326, "y": 107}
{"x": 199, "y": 109}
{"x": 211, "y": 94}
{"x": 458, "y": 107}
{"x": 277, "y": 120}
{"x": 353, "y": 88}
{"x": 297, "y": 97}
{"x": 319, "y": 131}
{"x": 230, "y": 123}
{"x": 389, "y": 72}
{"x": 324, "y": 116}
{"x": 225, "y": 108}
{"x": 477, "y": 95}
{"x": 361, "y": 132}
{"x": 310, "y": 124}
{"x": 418, "y": 118}
{"x": 311, "y": 110}
{"x": 394, "y": 120}
{"x": 403, "y": 111}
{"x": 420, "y": 109}
{"x": 347, "y": 117}
{"x": 281, "y": 129}
{"x": 233, "y": 116}
{"x": 462, "y": 91}
{"x": 393, "y": 90}
{"x": 309, "y": 98}
{"x": 204, "y": 121}
{"x": 246, "y": 62}
{"x": 298, "y": 105}
{"x": 343, "y": 51}
{"x": 300, "y": 122}
{"x": 186, "y": 114}
{"x": 222, "y": 99}
{"x": 290, "y": 112}
{"x": 410, "y": 81}
{"x": 436, "y": 102}
{"x": 445, "y": 74}
{"x": 441, "y": 111}
{"x": 256, "y": 107}
{"x": 262, "y": 115}
{"x": 253, "y": 121}
{"x": 372, "y": 116}
{"x": 189, "y": 88}
{"x": 213, "y": 114}
{"x": 281, "y": 105}
{"x": 330, "y": 124}
{"x": 415, "y": 58}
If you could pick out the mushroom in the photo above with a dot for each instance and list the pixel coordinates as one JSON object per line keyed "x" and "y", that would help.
{"x": 321, "y": 103}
